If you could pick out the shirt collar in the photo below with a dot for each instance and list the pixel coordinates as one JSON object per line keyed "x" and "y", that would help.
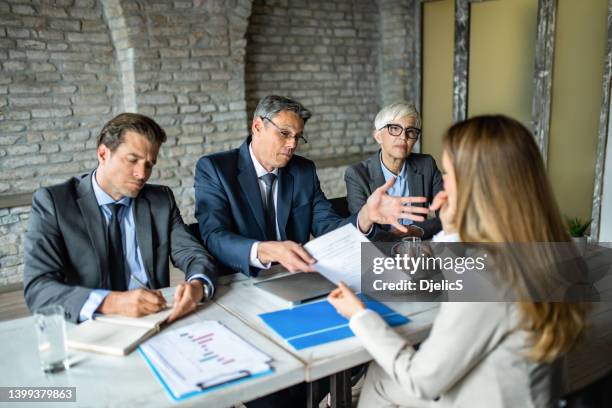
{"x": 103, "y": 198}
{"x": 388, "y": 173}
{"x": 259, "y": 169}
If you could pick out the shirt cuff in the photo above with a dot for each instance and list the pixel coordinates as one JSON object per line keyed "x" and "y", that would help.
{"x": 206, "y": 279}
{"x": 254, "y": 261}
{"x": 93, "y": 302}
{"x": 444, "y": 237}
{"x": 359, "y": 229}
{"x": 358, "y": 316}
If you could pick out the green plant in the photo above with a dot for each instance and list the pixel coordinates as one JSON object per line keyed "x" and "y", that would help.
{"x": 577, "y": 227}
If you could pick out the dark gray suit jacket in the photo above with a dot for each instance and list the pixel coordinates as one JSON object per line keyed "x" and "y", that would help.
{"x": 66, "y": 251}
{"x": 424, "y": 180}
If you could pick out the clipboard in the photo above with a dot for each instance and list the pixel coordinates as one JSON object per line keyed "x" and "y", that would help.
{"x": 203, "y": 390}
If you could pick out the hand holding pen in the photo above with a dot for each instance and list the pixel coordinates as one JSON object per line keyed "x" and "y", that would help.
{"x": 133, "y": 303}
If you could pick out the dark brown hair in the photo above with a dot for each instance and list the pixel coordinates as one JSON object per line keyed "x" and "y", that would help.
{"x": 112, "y": 133}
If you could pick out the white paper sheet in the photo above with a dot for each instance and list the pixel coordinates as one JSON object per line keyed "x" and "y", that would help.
{"x": 202, "y": 355}
{"x": 338, "y": 255}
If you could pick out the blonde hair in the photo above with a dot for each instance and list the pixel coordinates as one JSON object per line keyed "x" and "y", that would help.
{"x": 503, "y": 196}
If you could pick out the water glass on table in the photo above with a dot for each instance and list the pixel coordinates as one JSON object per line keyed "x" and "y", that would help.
{"x": 51, "y": 332}
{"x": 410, "y": 246}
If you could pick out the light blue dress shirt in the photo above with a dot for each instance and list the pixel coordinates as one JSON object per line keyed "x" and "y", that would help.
{"x": 400, "y": 187}
{"x": 133, "y": 263}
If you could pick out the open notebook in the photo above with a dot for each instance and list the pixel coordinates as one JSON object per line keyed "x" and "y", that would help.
{"x": 118, "y": 335}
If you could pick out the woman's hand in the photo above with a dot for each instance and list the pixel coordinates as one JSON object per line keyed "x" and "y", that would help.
{"x": 345, "y": 301}
{"x": 447, "y": 211}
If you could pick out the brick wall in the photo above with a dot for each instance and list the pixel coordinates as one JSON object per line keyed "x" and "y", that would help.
{"x": 324, "y": 54}
{"x": 196, "y": 66}
{"x": 13, "y": 224}
{"x": 56, "y": 87}
{"x": 397, "y": 57}
{"x": 332, "y": 181}
{"x": 182, "y": 63}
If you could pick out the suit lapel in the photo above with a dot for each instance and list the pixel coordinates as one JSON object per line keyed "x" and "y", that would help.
{"x": 96, "y": 227}
{"x": 144, "y": 235}
{"x": 285, "y": 196}
{"x": 415, "y": 180}
{"x": 247, "y": 178}
{"x": 377, "y": 178}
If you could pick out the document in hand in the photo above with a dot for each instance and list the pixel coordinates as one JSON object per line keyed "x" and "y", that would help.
{"x": 338, "y": 255}
{"x": 318, "y": 322}
{"x": 192, "y": 359}
{"x": 118, "y": 335}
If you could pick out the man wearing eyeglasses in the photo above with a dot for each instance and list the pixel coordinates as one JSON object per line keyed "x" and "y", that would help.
{"x": 397, "y": 130}
{"x": 257, "y": 204}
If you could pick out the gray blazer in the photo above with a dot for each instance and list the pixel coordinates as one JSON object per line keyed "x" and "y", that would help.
{"x": 474, "y": 357}
{"x": 424, "y": 179}
{"x": 66, "y": 254}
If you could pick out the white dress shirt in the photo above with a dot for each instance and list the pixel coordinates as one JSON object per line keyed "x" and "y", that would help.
{"x": 261, "y": 171}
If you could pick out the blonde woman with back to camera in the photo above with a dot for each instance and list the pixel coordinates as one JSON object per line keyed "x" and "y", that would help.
{"x": 478, "y": 354}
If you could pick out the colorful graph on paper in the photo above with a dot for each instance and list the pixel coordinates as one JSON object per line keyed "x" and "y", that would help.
{"x": 206, "y": 344}
{"x": 202, "y": 355}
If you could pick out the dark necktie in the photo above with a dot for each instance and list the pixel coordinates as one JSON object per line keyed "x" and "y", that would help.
{"x": 268, "y": 179}
{"x": 115, "y": 250}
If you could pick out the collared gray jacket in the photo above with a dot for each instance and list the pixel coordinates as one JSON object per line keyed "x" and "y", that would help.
{"x": 424, "y": 179}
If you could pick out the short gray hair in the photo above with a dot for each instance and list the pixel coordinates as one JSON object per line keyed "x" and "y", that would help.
{"x": 270, "y": 105}
{"x": 394, "y": 111}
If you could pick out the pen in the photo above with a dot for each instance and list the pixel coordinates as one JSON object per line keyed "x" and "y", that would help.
{"x": 143, "y": 286}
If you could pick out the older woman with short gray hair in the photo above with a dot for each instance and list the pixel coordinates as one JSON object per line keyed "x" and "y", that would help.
{"x": 397, "y": 128}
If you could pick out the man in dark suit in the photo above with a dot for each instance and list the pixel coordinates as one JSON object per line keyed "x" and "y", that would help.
{"x": 257, "y": 204}
{"x": 397, "y": 129}
{"x": 100, "y": 242}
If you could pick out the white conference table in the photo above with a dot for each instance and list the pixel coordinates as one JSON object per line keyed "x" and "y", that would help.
{"x": 109, "y": 381}
{"x": 127, "y": 381}
{"x": 241, "y": 298}
{"x": 102, "y": 380}
{"x": 586, "y": 363}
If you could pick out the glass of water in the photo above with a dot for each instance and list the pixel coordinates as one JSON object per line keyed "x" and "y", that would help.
{"x": 51, "y": 333}
{"x": 410, "y": 246}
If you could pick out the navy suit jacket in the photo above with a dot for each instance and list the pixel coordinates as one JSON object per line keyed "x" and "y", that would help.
{"x": 230, "y": 210}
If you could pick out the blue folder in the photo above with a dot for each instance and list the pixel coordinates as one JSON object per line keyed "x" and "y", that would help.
{"x": 318, "y": 323}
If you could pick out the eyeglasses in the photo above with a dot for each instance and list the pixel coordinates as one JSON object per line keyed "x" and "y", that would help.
{"x": 286, "y": 134}
{"x": 398, "y": 130}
